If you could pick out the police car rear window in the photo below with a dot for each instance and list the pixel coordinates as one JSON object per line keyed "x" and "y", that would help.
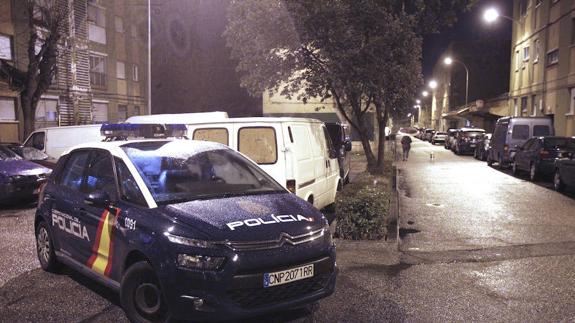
{"x": 178, "y": 171}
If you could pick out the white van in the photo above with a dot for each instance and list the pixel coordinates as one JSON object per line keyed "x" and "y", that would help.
{"x": 182, "y": 118}
{"x": 54, "y": 141}
{"x": 296, "y": 152}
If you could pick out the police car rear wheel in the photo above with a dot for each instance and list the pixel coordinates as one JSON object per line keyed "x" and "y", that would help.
{"x": 141, "y": 295}
{"x": 44, "y": 249}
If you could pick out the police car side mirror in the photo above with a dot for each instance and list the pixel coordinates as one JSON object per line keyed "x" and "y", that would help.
{"x": 348, "y": 145}
{"x": 98, "y": 199}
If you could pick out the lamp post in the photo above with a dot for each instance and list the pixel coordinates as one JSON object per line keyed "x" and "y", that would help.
{"x": 492, "y": 14}
{"x": 449, "y": 61}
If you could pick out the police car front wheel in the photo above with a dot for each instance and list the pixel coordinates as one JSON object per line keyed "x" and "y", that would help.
{"x": 45, "y": 249}
{"x": 141, "y": 295}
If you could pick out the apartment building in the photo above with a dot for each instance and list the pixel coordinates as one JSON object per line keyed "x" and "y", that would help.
{"x": 542, "y": 76}
{"x": 101, "y": 69}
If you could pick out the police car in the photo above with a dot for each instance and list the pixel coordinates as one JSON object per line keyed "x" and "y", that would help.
{"x": 182, "y": 229}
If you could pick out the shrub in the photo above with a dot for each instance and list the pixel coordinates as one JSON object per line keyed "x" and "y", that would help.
{"x": 362, "y": 211}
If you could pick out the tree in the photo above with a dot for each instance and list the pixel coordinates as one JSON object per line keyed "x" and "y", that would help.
{"x": 44, "y": 19}
{"x": 359, "y": 53}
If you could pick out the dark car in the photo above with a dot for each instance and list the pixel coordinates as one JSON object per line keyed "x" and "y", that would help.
{"x": 428, "y": 134}
{"x": 564, "y": 172}
{"x": 19, "y": 178}
{"x": 537, "y": 155}
{"x": 339, "y": 134}
{"x": 183, "y": 230}
{"x": 482, "y": 148}
{"x": 467, "y": 139}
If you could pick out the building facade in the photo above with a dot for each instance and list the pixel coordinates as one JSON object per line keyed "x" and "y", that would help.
{"x": 542, "y": 76}
{"x": 101, "y": 68}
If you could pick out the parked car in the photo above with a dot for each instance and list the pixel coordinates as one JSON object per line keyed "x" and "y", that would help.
{"x": 537, "y": 155}
{"x": 467, "y": 139}
{"x": 512, "y": 132}
{"x": 564, "y": 175}
{"x": 296, "y": 152}
{"x": 54, "y": 141}
{"x": 450, "y": 140}
{"x": 482, "y": 148}
{"x": 19, "y": 178}
{"x": 30, "y": 153}
{"x": 428, "y": 134}
{"x": 340, "y": 138}
{"x": 438, "y": 137}
{"x": 183, "y": 229}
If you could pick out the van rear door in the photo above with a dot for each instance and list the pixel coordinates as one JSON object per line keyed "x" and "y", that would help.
{"x": 263, "y": 143}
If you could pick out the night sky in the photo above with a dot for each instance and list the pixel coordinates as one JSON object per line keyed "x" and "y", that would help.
{"x": 470, "y": 26}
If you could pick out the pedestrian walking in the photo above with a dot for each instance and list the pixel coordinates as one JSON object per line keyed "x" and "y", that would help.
{"x": 406, "y": 146}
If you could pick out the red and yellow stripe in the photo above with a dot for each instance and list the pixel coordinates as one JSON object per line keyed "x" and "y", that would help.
{"x": 103, "y": 248}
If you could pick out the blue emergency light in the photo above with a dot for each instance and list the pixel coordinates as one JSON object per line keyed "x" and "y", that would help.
{"x": 123, "y": 131}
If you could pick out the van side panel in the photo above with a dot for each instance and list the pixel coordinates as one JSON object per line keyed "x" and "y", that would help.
{"x": 304, "y": 160}
{"x": 61, "y": 139}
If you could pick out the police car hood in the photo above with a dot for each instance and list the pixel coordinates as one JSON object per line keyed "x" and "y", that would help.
{"x": 248, "y": 218}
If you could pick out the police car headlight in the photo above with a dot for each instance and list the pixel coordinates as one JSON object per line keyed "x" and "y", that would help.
{"x": 188, "y": 241}
{"x": 200, "y": 262}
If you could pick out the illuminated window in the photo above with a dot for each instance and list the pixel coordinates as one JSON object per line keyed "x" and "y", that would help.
{"x": 526, "y": 53}
{"x": 5, "y": 47}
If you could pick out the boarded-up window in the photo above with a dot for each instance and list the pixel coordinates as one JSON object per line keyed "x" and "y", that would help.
{"x": 212, "y": 134}
{"x": 99, "y": 112}
{"x": 7, "y": 109}
{"x": 259, "y": 144}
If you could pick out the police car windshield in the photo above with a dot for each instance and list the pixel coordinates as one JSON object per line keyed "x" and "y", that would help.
{"x": 180, "y": 171}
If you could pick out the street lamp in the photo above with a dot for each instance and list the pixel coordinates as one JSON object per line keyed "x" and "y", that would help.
{"x": 425, "y": 94}
{"x": 448, "y": 61}
{"x": 492, "y": 14}
{"x": 433, "y": 84}
{"x": 418, "y": 101}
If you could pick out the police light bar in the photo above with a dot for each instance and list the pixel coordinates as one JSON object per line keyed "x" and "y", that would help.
{"x": 123, "y": 131}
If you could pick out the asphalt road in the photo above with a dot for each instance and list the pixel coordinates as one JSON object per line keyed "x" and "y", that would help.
{"x": 477, "y": 245}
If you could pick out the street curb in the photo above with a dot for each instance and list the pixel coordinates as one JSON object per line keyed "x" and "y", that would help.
{"x": 394, "y": 203}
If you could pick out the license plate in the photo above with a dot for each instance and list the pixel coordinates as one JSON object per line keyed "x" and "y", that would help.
{"x": 287, "y": 276}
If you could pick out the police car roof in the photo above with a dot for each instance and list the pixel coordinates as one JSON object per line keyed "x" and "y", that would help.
{"x": 116, "y": 146}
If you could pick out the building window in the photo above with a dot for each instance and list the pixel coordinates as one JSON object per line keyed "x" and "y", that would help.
{"x": 538, "y": 3}
{"x": 135, "y": 73}
{"x": 119, "y": 23}
{"x": 46, "y": 113}
{"x": 537, "y": 50}
{"x": 121, "y": 70}
{"x": 525, "y": 53}
{"x": 524, "y": 105}
{"x": 6, "y": 47}
{"x": 7, "y": 109}
{"x": 98, "y": 70}
{"x": 515, "y": 108}
{"x": 122, "y": 113}
{"x": 572, "y": 106}
{"x": 533, "y": 106}
{"x": 137, "y": 111}
{"x": 517, "y": 61}
{"x": 553, "y": 57}
{"x": 523, "y": 8}
{"x": 96, "y": 24}
{"x": 99, "y": 112}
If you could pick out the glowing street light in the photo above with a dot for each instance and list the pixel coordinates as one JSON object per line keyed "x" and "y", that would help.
{"x": 425, "y": 94}
{"x": 448, "y": 61}
{"x": 418, "y": 101}
{"x": 491, "y": 15}
{"x": 433, "y": 84}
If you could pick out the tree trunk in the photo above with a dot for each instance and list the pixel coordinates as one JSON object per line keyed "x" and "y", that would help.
{"x": 382, "y": 118}
{"x": 28, "y": 112}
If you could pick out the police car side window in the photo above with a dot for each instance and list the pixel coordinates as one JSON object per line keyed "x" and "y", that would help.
{"x": 100, "y": 174}
{"x": 72, "y": 174}
{"x": 129, "y": 190}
